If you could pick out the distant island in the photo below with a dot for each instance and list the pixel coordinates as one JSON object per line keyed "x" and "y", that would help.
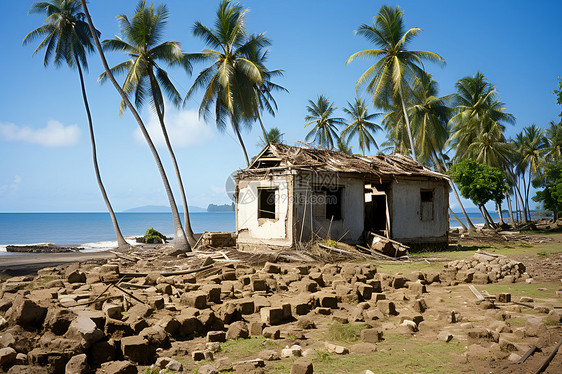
{"x": 220, "y": 208}
{"x": 192, "y": 209}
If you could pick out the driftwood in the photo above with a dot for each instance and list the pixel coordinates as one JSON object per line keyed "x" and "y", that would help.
{"x": 134, "y": 285}
{"x": 130, "y": 294}
{"x": 476, "y": 293}
{"x": 126, "y": 257}
{"x": 549, "y": 358}
{"x": 93, "y": 301}
{"x": 342, "y": 251}
{"x": 198, "y": 240}
{"x": 527, "y": 354}
{"x": 390, "y": 240}
{"x": 376, "y": 253}
{"x": 167, "y": 273}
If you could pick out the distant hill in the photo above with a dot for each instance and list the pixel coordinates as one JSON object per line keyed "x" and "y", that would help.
{"x": 220, "y": 208}
{"x": 161, "y": 209}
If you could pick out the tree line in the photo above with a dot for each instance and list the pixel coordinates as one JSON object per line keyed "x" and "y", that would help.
{"x": 238, "y": 87}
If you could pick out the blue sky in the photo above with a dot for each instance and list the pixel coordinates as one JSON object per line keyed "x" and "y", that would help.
{"x": 44, "y": 144}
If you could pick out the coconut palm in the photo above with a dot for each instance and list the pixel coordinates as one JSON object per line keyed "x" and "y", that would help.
{"x": 342, "y": 145}
{"x": 271, "y": 136}
{"x": 553, "y": 135}
{"x": 229, "y": 82}
{"x": 361, "y": 125}
{"x": 479, "y": 117}
{"x": 180, "y": 240}
{"x": 141, "y": 42}
{"x": 68, "y": 40}
{"x": 264, "y": 91}
{"x": 397, "y": 67}
{"x": 429, "y": 117}
{"x": 325, "y": 126}
{"x": 532, "y": 150}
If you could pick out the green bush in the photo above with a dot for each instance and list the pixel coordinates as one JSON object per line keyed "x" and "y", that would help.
{"x": 153, "y": 236}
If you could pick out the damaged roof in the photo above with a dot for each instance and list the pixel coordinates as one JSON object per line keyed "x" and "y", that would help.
{"x": 275, "y": 157}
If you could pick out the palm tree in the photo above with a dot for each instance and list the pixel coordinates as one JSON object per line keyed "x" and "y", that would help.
{"x": 397, "y": 66}
{"x": 229, "y": 83}
{"x": 553, "y": 135}
{"x": 271, "y": 136}
{"x": 342, "y": 145}
{"x": 479, "y": 117}
{"x": 532, "y": 152}
{"x": 361, "y": 125}
{"x": 68, "y": 40}
{"x": 180, "y": 240}
{"x": 429, "y": 116}
{"x": 144, "y": 73}
{"x": 264, "y": 91}
{"x": 320, "y": 114}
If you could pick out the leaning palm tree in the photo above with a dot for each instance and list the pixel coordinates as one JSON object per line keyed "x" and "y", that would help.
{"x": 361, "y": 125}
{"x": 141, "y": 42}
{"x": 320, "y": 115}
{"x": 68, "y": 40}
{"x": 180, "y": 240}
{"x": 397, "y": 67}
{"x": 229, "y": 82}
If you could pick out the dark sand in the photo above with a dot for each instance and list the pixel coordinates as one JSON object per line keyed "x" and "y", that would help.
{"x": 28, "y": 263}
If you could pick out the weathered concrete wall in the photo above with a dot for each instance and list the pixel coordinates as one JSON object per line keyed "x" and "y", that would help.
{"x": 349, "y": 228}
{"x": 405, "y": 207}
{"x": 253, "y": 230}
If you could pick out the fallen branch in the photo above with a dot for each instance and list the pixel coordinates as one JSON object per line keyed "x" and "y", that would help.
{"x": 476, "y": 293}
{"x": 527, "y": 354}
{"x": 166, "y": 274}
{"x": 126, "y": 257}
{"x": 341, "y": 250}
{"x": 93, "y": 301}
{"x": 134, "y": 285}
{"x": 130, "y": 294}
{"x": 390, "y": 240}
{"x": 549, "y": 358}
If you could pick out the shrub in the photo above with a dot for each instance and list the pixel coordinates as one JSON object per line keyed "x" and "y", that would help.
{"x": 153, "y": 236}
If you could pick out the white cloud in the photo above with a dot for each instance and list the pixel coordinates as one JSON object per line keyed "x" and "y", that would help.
{"x": 183, "y": 126}
{"x": 11, "y": 187}
{"x": 53, "y": 135}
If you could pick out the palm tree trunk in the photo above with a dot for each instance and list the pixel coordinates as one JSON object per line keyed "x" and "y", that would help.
{"x": 499, "y": 207}
{"x": 457, "y": 218}
{"x": 121, "y": 242}
{"x": 413, "y": 149}
{"x": 237, "y": 132}
{"x": 160, "y": 112}
{"x": 524, "y": 202}
{"x": 511, "y": 220}
{"x": 490, "y": 219}
{"x": 516, "y": 185}
{"x": 180, "y": 241}
{"x": 471, "y": 227}
{"x": 265, "y": 137}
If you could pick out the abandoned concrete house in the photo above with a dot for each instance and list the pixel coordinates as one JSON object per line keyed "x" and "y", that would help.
{"x": 292, "y": 194}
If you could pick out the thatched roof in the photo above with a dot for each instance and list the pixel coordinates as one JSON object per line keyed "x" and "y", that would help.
{"x": 281, "y": 156}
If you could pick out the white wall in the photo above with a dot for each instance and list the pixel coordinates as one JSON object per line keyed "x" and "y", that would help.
{"x": 405, "y": 203}
{"x": 252, "y": 230}
{"x": 348, "y": 229}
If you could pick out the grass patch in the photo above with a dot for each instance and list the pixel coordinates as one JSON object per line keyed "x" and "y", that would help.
{"x": 344, "y": 332}
{"x": 522, "y": 289}
{"x": 238, "y": 349}
{"x": 396, "y": 354}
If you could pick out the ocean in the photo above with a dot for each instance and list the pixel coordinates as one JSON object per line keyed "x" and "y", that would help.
{"x": 94, "y": 230}
{"x": 86, "y": 228}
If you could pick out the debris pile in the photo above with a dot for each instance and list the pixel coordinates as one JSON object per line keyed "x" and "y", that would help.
{"x": 483, "y": 267}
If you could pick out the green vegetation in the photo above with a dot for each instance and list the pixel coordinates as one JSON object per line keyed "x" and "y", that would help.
{"x": 344, "y": 332}
{"x": 153, "y": 236}
{"x": 324, "y": 124}
{"x": 480, "y": 183}
{"x": 521, "y": 289}
{"x": 240, "y": 348}
{"x": 551, "y": 182}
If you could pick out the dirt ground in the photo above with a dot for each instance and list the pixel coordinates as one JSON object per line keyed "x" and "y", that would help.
{"x": 453, "y": 332}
